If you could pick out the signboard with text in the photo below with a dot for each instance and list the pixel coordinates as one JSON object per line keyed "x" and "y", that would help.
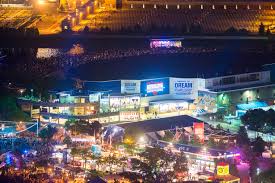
{"x": 130, "y": 86}
{"x": 199, "y": 131}
{"x": 183, "y": 87}
{"x": 129, "y": 115}
{"x": 155, "y": 87}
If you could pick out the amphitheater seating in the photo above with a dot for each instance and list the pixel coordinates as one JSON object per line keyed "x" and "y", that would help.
{"x": 211, "y": 20}
{"x": 15, "y": 18}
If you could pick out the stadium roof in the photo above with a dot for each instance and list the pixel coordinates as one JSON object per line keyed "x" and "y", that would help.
{"x": 161, "y": 123}
{"x": 242, "y": 87}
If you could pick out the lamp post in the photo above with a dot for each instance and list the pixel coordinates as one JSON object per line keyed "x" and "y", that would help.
{"x": 32, "y": 93}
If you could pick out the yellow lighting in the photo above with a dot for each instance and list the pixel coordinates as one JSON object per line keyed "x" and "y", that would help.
{"x": 41, "y": 2}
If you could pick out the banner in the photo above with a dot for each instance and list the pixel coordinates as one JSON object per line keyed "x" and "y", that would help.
{"x": 183, "y": 87}
{"x": 222, "y": 169}
{"x": 129, "y": 115}
{"x": 130, "y": 86}
{"x": 199, "y": 131}
{"x": 155, "y": 87}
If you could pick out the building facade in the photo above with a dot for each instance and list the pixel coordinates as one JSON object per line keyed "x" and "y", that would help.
{"x": 133, "y": 100}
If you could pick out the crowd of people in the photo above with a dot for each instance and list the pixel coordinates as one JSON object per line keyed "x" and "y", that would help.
{"x": 23, "y": 145}
{"x": 46, "y": 66}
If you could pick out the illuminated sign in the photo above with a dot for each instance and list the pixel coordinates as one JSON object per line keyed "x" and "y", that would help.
{"x": 223, "y": 169}
{"x": 130, "y": 86}
{"x": 129, "y": 116}
{"x": 165, "y": 44}
{"x": 154, "y": 87}
{"x": 94, "y": 97}
{"x": 199, "y": 132}
{"x": 182, "y": 87}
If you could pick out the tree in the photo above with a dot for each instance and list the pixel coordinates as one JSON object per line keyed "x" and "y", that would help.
{"x": 67, "y": 140}
{"x": 242, "y": 137}
{"x": 180, "y": 166}
{"x": 154, "y": 163}
{"x": 74, "y": 152}
{"x": 259, "y": 145}
{"x": 84, "y": 153}
{"x": 83, "y": 127}
{"x": 255, "y": 119}
{"x": 96, "y": 127}
{"x": 261, "y": 29}
{"x": 111, "y": 160}
{"x": 10, "y": 111}
{"x": 86, "y": 29}
{"x": 47, "y": 133}
{"x": 231, "y": 30}
{"x": 233, "y": 170}
{"x": 168, "y": 136}
{"x": 266, "y": 176}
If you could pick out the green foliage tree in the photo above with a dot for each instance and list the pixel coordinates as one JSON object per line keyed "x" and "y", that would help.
{"x": 168, "y": 136}
{"x": 233, "y": 170}
{"x": 242, "y": 137}
{"x": 265, "y": 176}
{"x": 180, "y": 165}
{"x": 84, "y": 155}
{"x": 259, "y": 145}
{"x": 68, "y": 141}
{"x": 111, "y": 160}
{"x": 74, "y": 152}
{"x": 261, "y": 29}
{"x": 10, "y": 111}
{"x": 47, "y": 133}
{"x": 259, "y": 120}
{"x": 155, "y": 163}
{"x": 83, "y": 127}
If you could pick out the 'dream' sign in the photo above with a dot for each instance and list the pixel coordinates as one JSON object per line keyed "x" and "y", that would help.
{"x": 199, "y": 131}
{"x": 182, "y": 87}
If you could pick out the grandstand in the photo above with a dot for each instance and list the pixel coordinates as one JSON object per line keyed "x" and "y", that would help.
{"x": 17, "y": 18}
{"x": 210, "y": 20}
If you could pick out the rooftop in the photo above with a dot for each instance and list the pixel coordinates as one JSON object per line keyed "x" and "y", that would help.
{"x": 161, "y": 123}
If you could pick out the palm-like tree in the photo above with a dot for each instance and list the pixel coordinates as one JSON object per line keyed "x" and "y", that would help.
{"x": 84, "y": 153}
{"x": 74, "y": 152}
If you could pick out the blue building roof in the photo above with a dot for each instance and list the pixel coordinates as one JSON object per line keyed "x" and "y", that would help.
{"x": 161, "y": 123}
{"x": 251, "y": 105}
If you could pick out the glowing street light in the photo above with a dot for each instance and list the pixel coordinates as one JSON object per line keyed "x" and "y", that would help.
{"x": 41, "y": 2}
{"x": 142, "y": 140}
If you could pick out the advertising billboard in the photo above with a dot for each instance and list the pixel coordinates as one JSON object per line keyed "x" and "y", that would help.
{"x": 186, "y": 88}
{"x": 207, "y": 101}
{"x": 164, "y": 43}
{"x": 222, "y": 169}
{"x": 183, "y": 87}
{"x": 94, "y": 97}
{"x": 155, "y": 87}
{"x": 129, "y": 115}
{"x": 199, "y": 131}
{"x": 104, "y": 105}
{"x": 130, "y": 86}
{"x": 125, "y": 102}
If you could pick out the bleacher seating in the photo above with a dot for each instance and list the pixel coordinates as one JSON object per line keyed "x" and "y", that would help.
{"x": 16, "y": 18}
{"x": 210, "y": 20}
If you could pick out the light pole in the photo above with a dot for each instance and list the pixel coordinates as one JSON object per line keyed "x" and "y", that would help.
{"x": 32, "y": 93}
{"x": 21, "y": 92}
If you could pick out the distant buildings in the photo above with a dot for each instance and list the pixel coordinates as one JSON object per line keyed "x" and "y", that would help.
{"x": 133, "y": 100}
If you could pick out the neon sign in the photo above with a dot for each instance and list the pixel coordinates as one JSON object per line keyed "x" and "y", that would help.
{"x": 165, "y": 44}
{"x": 154, "y": 87}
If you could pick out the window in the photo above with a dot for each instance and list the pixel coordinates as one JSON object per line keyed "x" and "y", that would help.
{"x": 250, "y": 77}
{"x": 228, "y": 80}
